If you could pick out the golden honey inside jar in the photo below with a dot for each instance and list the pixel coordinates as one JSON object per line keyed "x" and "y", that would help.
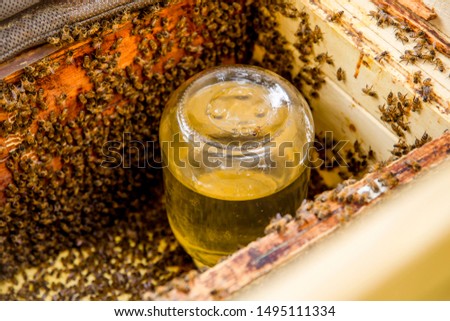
{"x": 235, "y": 143}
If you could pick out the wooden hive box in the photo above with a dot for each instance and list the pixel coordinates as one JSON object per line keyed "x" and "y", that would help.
{"x": 354, "y": 74}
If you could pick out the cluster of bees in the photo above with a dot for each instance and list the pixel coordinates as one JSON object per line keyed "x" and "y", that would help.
{"x": 425, "y": 89}
{"x": 347, "y": 195}
{"x": 23, "y": 102}
{"x": 395, "y": 112}
{"x": 398, "y": 107}
{"x": 124, "y": 261}
{"x": 311, "y": 74}
{"x": 278, "y": 224}
{"x": 422, "y": 51}
{"x": 348, "y": 161}
{"x": 80, "y": 32}
{"x": 403, "y": 148}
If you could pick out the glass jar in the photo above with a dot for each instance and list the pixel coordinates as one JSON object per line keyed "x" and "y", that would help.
{"x": 234, "y": 143}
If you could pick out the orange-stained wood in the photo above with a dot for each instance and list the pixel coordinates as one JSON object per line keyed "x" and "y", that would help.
{"x": 419, "y": 8}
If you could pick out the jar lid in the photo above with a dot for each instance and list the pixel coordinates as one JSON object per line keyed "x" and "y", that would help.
{"x": 237, "y": 105}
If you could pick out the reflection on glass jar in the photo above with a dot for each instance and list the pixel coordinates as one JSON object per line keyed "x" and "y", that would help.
{"x": 235, "y": 143}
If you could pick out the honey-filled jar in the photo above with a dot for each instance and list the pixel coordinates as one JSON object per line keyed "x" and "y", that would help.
{"x": 234, "y": 143}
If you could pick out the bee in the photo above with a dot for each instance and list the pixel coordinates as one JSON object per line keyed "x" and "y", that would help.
{"x": 165, "y": 34}
{"x": 69, "y": 57}
{"x": 404, "y": 27}
{"x": 401, "y": 97}
{"x": 418, "y": 34}
{"x": 383, "y": 18}
{"x": 96, "y": 42}
{"x": 316, "y": 35}
{"x": 163, "y": 49}
{"x": 65, "y": 35}
{"x": 363, "y": 198}
{"x": 126, "y": 15}
{"x": 403, "y": 125}
{"x": 237, "y": 6}
{"x": 416, "y": 104}
{"x": 208, "y": 45}
{"x": 415, "y": 166}
{"x": 382, "y": 55}
{"x": 170, "y": 45}
{"x": 181, "y": 23}
{"x": 78, "y": 31}
{"x": 368, "y": 91}
{"x": 427, "y": 82}
{"x": 400, "y": 109}
{"x": 314, "y": 94}
{"x": 390, "y": 99}
{"x": 28, "y": 84}
{"x": 398, "y": 130}
{"x": 93, "y": 29}
{"x": 324, "y": 57}
{"x": 63, "y": 116}
{"x": 388, "y": 179}
{"x": 373, "y": 14}
{"x": 432, "y": 50}
{"x": 82, "y": 99}
{"x": 357, "y": 147}
{"x": 13, "y": 188}
{"x": 425, "y": 138}
{"x": 194, "y": 49}
{"x": 61, "y": 99}
{"x": 139, "y": 61}
{"x": 54, "y": 41}
{"x": 401, "y": 36}
{"x": 164, "y": 21}
{"x": 183, "y": 42}
{"x": 382, "y": 108}
{"x": 341, "y": 194}
{"x": 419, "y": 44}
{"x": 340, "y": 74}
{"x": 115, "y": 25}
{"x": 321, "y": 210}
{"x": 425, "y": 90}
{"x": 89, "y": 94}
{"x": 439, "y": 64}
{"x": 409, "y": 56}
{"x": 278, "y": 224}
{"x": 335, "y": 16}
{"x": 152, "y": 44}
{"x": 425, "y": 57}
{"x": 417, "y": 77}
{"x": 86, "y": 62}
{"x": 116, "y": 43}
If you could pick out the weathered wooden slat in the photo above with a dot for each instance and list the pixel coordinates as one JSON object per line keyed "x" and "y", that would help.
{"x": 419, "y": 8}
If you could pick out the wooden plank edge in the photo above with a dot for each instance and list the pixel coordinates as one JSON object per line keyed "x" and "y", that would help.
{"x": 419, "y": 8}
